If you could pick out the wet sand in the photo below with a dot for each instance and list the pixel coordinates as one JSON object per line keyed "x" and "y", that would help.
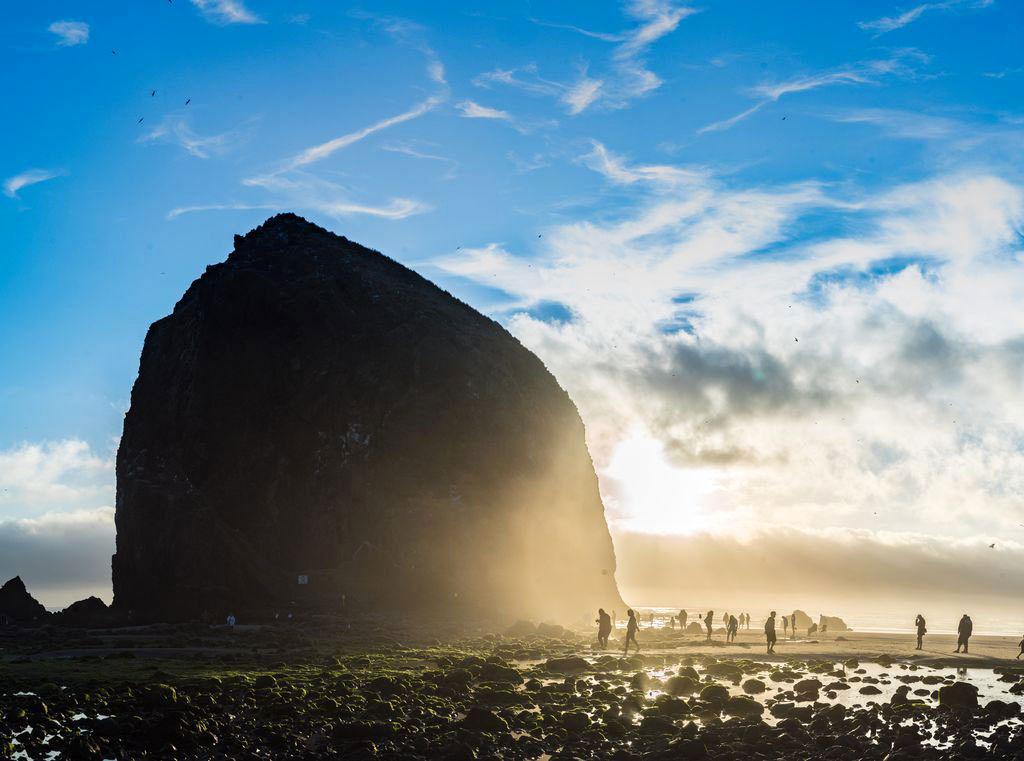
{"x": 986, "y": 651}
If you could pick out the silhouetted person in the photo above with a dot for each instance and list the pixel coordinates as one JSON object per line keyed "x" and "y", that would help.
{"x": 650, "y": 618}
{"x": 921, "y": 631}
{"x": 725, "y": 620}
{"x": 1021, "y": 650}
{"x": 792, "y": 626}
{"x": 785, "y": 624}
{"x": 708, "y": 620}
{"x": 631, "y": 627}
{"x": 748, "y": 620}
{"x": 769, "y": 632}
{"x": 682, "y": 619}
{"x": 604, "y": 628}
{"x": 964, "y": 631}
{"x": 730, "y": 629}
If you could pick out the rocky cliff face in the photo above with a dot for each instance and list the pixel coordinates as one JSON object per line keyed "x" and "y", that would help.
{"x": 317, "y": 425}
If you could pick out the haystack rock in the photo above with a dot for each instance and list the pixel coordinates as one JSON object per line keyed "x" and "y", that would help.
{"x": 317, "y": 426}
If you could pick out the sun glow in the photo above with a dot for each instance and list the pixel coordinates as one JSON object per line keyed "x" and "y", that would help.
{"x": 646, "y": 493}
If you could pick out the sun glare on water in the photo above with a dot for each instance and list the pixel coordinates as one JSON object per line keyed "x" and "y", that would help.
{"x": 647, "y": 493}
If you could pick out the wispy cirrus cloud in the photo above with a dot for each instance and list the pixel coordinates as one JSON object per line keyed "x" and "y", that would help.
{"x": 469, "y": 109}
{"x": 177, "y": 131}
{"x": 886, "y": 24}
{"x": 226, "y": 12}
{"x": 294, "y": 185}
{"x": 903, "y": 63}
{"x": 29, "y": 177}
{"x": 71, "y": 33}
{"x": 627, "y": 76}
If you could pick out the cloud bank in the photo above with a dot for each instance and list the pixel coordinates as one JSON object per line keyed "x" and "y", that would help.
{"x": 790, "y": 355}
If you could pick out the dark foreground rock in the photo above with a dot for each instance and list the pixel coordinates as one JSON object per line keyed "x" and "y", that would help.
{"x": 315, "y": 423}
{"x": 308, "y": 691}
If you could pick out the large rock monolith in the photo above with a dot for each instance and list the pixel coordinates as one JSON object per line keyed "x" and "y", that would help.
{"x": 315, "y": 425}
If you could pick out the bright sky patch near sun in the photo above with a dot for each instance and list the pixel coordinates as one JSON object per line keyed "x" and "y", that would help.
{"x": 776, "y": 261}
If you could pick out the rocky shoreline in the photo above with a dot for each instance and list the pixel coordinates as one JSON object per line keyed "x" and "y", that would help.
{"x": 330, "y": 689}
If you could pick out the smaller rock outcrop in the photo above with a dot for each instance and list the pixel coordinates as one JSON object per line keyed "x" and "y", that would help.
{"x": 17, "y": 605}
{"x": 832, "y": 624}
{"x": 91, "y": 611}
{"x": 800, "y": 620}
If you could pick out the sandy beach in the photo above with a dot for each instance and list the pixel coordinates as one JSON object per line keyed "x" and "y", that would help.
{"x": 986, "y": 651}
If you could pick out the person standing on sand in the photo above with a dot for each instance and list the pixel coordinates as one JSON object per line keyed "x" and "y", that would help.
{"x": 792, "y": 626}
{"x": 631, "y": 627}
{"x": 921, "y": 631}
{"x": 604, "y": 628}
{"x": 708, "y": 621}
{"x": 769, "y": 632}
{"x": 730, "y": 629}
{"x": 682, "y": 620}
{"x": 725, "y": 620}
{"x": 785, "y": 624}
{"x": 1021, "y": 650}
{"x": 964, "y": 631}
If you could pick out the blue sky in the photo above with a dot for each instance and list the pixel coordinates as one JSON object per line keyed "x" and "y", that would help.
{"x": 662, "y": 199}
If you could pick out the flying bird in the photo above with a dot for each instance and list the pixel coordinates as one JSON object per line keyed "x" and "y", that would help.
{"x": 141, "y": 118}
{"x": 992, "y": 546}
{"x": 113, "y": 52}
{"x": 152, "y": 93}
{"x": 796, "y": 339}
{"x": 188, "y": 101}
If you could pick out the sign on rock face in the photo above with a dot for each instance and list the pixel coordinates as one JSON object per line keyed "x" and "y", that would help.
{"x": 303, "y": 578}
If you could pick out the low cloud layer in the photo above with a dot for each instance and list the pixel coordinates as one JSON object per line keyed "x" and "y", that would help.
{"x": 855, "y": 574}
{"x": 61, "y": 556}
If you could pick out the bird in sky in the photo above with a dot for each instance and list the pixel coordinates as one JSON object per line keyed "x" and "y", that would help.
{"x": 992, "y": 546}
{"x": 152, "y": 93}
{"x": 188, "y": 101}
{"x": 141, "y": 118}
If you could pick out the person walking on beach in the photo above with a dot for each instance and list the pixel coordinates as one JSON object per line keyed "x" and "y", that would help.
{"x": 708, "y": 620}
{"x": 964, "y": 631}
{"x": 1021, "y": 650}
{"x": 631, "y": 627}
{"x": 604, "y": 628}
{"x": 785, "y": 624}
{"x": 921, "y": 631}
{"x": 748, "y": 620}
{"x": 769, "y": 632}
{"x": 682, "y": 620}
{"x": 725, "y": 620}
{"x": 730, "y": 629}
{"x": 792, "y": 626}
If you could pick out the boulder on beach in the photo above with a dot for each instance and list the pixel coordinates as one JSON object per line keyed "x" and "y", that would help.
{"x": 316, "y": 423}
{"x": 17, "y": 605}
{"x": 959, "y": 695}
